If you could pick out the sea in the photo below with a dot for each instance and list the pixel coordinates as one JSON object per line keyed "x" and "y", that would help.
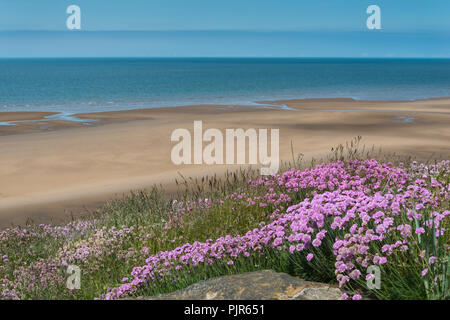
{"x": 70, "y": 86}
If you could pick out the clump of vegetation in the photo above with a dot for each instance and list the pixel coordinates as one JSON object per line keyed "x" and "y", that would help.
{"x": 335, "y": 221}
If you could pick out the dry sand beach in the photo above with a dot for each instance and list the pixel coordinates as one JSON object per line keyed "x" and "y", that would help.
{"x": 50, "y": 169}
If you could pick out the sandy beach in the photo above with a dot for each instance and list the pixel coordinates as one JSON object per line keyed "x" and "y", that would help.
{"x": 51, "y": 169}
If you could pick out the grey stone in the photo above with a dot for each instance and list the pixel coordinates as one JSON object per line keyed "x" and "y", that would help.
{"x": 259, "y": 285}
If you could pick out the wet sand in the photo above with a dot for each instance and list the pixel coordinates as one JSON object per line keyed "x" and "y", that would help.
{"x": 50, "y": 169}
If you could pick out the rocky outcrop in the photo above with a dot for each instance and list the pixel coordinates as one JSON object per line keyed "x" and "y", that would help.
{"x": 259, "y": 285}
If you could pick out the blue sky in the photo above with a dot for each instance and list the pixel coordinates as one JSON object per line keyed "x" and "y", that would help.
{"x": 410, "y": 28}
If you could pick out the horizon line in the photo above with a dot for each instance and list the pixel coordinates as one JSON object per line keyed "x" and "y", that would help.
{"x": 362, "y": 29}
{"x": 230, "y": 57}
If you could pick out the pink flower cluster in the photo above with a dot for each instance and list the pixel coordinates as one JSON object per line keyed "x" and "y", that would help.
{"x": 364, "y": 204}
{"x": 71, "y": 230}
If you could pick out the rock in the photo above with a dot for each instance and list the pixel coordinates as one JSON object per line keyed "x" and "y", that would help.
{"x": 259, "y": 285}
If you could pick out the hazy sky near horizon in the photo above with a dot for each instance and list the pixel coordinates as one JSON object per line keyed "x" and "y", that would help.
{"x": 410, "y": 28}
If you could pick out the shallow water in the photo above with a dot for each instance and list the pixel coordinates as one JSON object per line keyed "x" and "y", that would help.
{"x": 59, "y": 116}
{"x": 73, "y": 86}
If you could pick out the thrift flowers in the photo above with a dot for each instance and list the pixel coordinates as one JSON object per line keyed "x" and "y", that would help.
{"x": 333, "y": 222}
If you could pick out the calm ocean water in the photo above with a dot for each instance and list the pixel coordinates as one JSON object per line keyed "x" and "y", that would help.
{"x": 91, "y": 85}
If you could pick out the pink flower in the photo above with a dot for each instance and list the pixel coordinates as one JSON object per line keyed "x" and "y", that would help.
{"x": 420, "y": 230}
{"x": 344, "y": 296}
{"x": 309, "y": 257}
{"x": 278, "y": 241}
{"x": 355, "y": 274}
